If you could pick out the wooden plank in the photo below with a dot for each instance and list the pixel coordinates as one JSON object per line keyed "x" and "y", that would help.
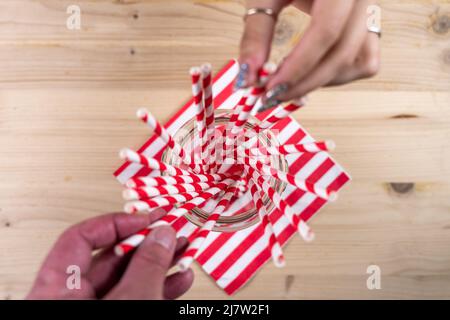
{"x": 74, "y": 149}
{"x": 408, "y": 127}
{"x": 155, "y": 50}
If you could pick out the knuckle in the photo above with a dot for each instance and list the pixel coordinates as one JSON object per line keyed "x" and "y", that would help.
{"x": 253, "y": 50}
{"x": 70, "y": 233}
{"x": 371, "y": 65}
{"x": 347, "y": 62}
{"x": 329, "y": 32}
{"x": 49, "y": 277}
{"x": 288, "y": 73}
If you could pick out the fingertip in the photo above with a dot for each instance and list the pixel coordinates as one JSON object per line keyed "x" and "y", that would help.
{"x": 156, "y": 214}
{"x": 178, "y": 283}
{"x": 181, "y": 243}
{"x": 255, "y": 64}
{"x": 189, "y": 276}
{"x": 283, "y": 75}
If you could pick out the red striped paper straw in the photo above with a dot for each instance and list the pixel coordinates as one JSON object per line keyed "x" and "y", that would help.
{"x": 172, "y": 216}
{"x": 150, "y": 192}
{"x": 201, "y": 235}
{"x": 169, "y": 180}
{"x": 132, "y": 156}
{"x": 157, "y": 202}
{"x": 274, "y": 244}
{"x": 237, "y": 110}
{"x": 243, "y": 110}
{"x": 209, "y": 143}
{"x": 292, "y": 180}
{"x": 230, "y": 124}
{"x": 135, "y": 240}
{"x": 310, "y": 147}
{"x": 253, "y": 96}
{"x": 304, "y": 230}
{"x": 159, "y": 129}
{"x": 278, "y": 114}
{"x": 200, "y": 115}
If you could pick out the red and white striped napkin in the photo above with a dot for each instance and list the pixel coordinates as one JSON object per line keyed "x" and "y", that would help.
{"x": 231, "y": 259}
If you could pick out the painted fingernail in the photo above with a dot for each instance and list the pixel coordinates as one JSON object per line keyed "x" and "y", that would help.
{"x": 269, "y": 105}
{"x": 242, "y": 76}
{"x": 276, "y": 91}
{"x": 164, "y": 236}
{"x": 271, "y": 96}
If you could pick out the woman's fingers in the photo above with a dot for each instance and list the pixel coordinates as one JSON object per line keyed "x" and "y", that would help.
{"x": 366, "y": 65}
{"x": 256, "y": 40}
{"x": 328, "y": 20}
{"x": 339, "y": 59}
{"x": 303, "y": 5}
{"x": 255, "y": 48}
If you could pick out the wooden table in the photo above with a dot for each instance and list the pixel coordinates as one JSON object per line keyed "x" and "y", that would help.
{"x": 67, "y": 105}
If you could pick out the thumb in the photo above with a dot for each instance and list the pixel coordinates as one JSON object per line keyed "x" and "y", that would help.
{"x": 148, "y": 267}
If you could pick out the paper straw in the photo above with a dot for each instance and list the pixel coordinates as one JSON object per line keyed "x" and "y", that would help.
{"x": 311, "y": 147}
{"x": 253, "y": 96}
{"x": 132, "y": 156}
{"x": 292, "y": 180}
{"x": 150, "y": 192}
{"x": 135, "y": 240}
{"x": 237, "y": 110}
{"x": 274, "y": 244}
{"x": 209, "y": 143}
{"x": 304, "y": 230}
{"x": 157, "y": 202}
{"x": 169, "y": 180}
{"x": 243, "y": 110}
{"x": 200, "y": 115}
{"x": 159, "y": 129}
{"x": 227, "y": 133}
{"x": 201, "y": 235}
{"x": 278, "y": 114}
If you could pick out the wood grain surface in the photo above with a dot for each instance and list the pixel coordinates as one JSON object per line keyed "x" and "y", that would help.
{"x": 67, "y": 105}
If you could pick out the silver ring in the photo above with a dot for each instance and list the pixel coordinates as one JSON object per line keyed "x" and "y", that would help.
{"x": 374, "y": 29}
{"x": 267, "y": 11}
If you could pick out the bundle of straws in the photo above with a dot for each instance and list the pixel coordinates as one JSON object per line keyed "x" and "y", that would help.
{"x": 210, "y": 171}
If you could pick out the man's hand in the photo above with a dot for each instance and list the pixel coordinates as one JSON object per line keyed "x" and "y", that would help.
{"x": 142, "y": 275}
{"x": 336, "y": 48}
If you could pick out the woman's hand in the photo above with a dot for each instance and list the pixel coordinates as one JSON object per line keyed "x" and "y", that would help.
{"x": 336, "y": 48}
{"x": 142, "y": 275}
